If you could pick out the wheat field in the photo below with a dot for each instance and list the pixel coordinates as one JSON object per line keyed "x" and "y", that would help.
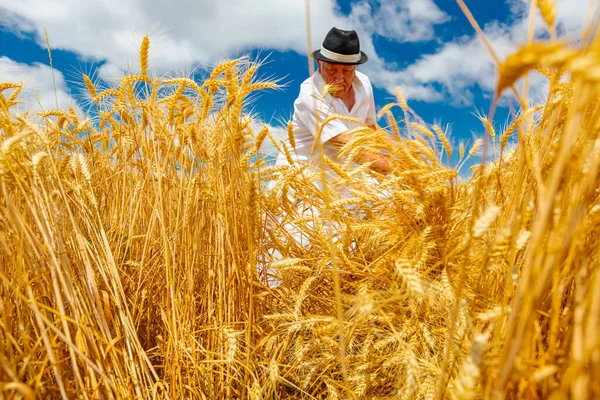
{"x": 151, "y": 251}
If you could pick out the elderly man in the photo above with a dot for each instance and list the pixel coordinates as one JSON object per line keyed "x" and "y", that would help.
{"x": 349, "y": 94}
{"x": 335, "y": 89}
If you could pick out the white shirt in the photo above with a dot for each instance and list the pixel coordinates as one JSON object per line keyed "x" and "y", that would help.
{"x": 310, "y": 104}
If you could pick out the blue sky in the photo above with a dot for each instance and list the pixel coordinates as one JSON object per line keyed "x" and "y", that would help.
{"x": 425, "y": 47}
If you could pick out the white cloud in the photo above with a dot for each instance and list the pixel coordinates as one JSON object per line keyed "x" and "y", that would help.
{"x": 186, "y": 34}
{"x": 402, "y": 21}
{"x": 450, "y": 73}
{"x": 458, "y": 66}
{"x": 38, "y": 92}
{"x": 203, "y": 32}
{"x": 570, "y": 16}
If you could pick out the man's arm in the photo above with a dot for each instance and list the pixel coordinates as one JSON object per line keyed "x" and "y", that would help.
{"x": 388, "y": 139}
{"x": 372, "y": 118}
{"x": 380, "y": 163}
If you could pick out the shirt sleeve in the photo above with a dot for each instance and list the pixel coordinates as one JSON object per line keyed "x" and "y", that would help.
{"x": 308, "y": 109}
{"x": 372, "y": 115}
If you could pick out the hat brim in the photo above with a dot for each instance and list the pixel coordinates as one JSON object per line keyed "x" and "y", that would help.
{"x": 318, "y": 56}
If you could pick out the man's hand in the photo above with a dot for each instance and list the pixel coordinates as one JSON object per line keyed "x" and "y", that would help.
{"x": 380, "y": 162}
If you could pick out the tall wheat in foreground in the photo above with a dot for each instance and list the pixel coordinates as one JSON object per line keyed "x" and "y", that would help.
{"x": 137, "y": 248}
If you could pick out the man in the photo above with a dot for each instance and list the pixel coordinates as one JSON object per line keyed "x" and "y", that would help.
{"x": 335, "y": 89}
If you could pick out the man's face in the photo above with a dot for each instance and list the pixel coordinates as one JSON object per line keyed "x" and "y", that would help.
{"x": 339, "y": 75}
